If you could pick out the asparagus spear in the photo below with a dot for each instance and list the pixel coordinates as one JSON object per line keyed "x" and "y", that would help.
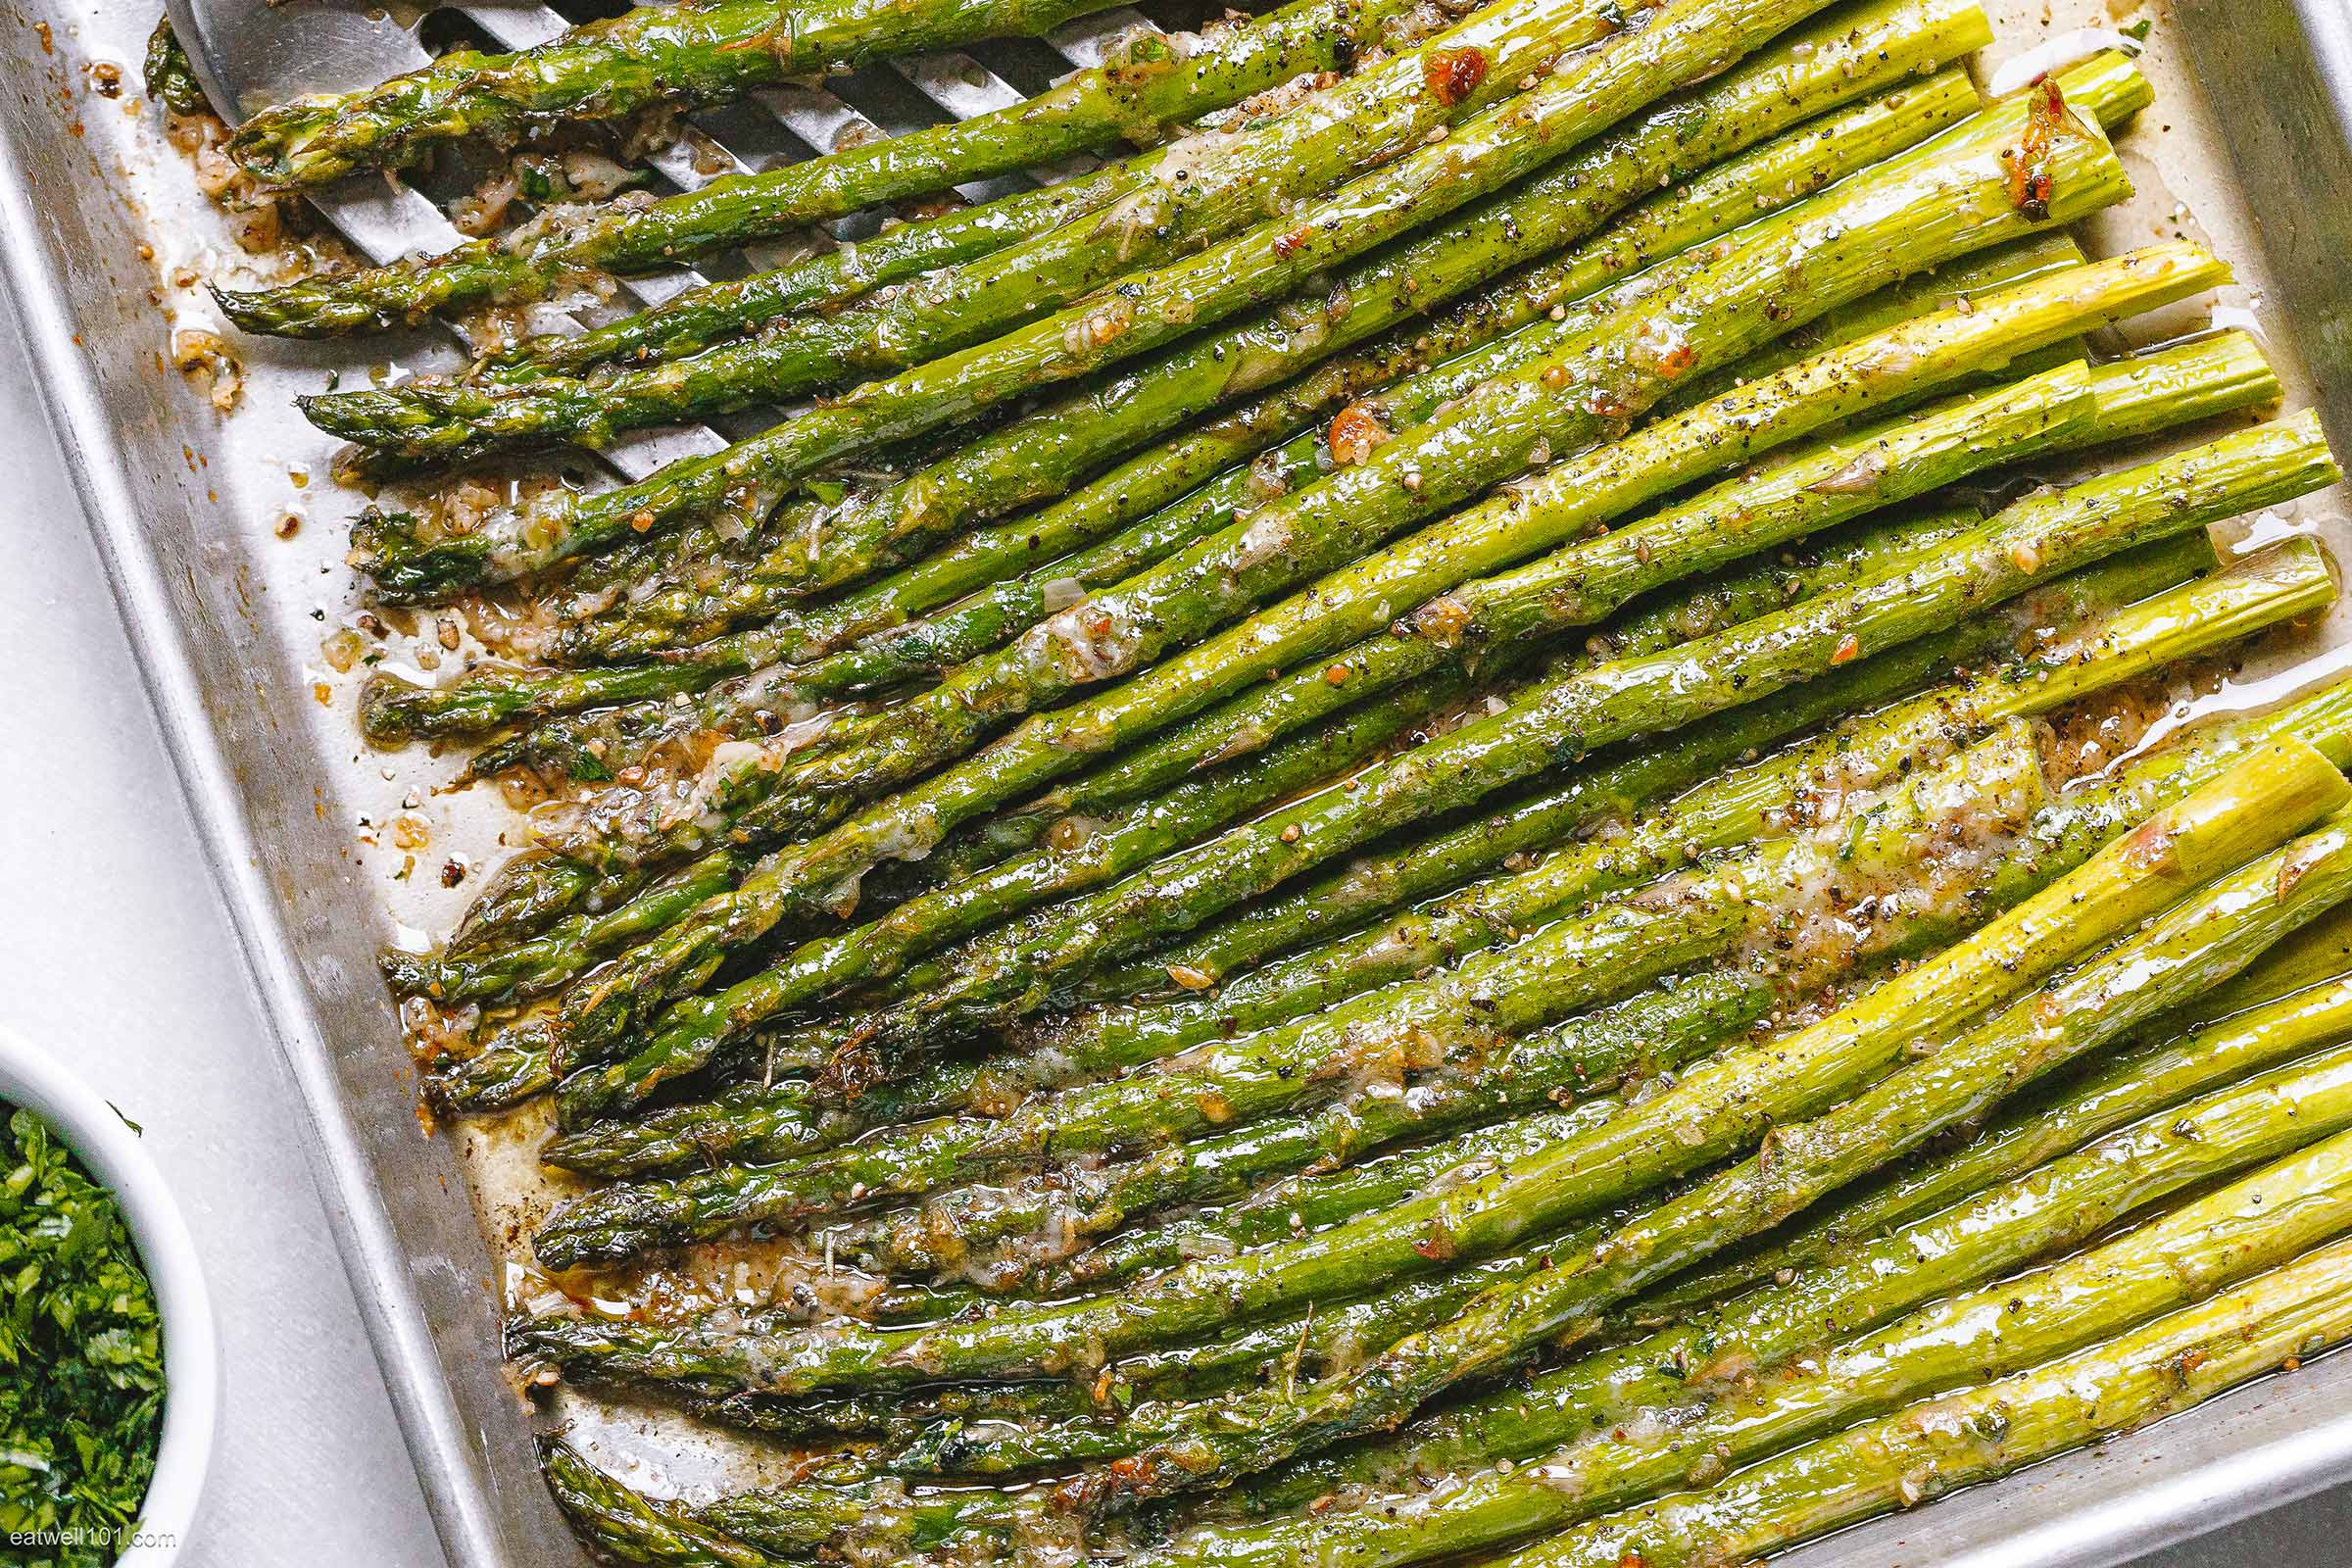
{"x": 1716, "y": 1108}
{"x": 877, "y": 1518}
{"x": 1501, "y": 630}
{"x": 2033, "y": 1134}
{"x": 1032, "y": 1223}
{"x": 712, "y": 313}
{"x": 2036, "y": 1212}
{"x": 1390, "y": 289}
{"x": 692, "y": 1133}
{"x": 1560, "y": 717}
{"x": 1063, "y": 1209}
{"x": 646, "y": 59}
{"x": 1744, "y": 1409}
{"x": 798, "y": 1116}
{"x": 633, "y": 1527}
{"x": 1135, "y": 837}
{"x": 1918, "y": 455}
{"x": 2030, "y": 1211}
{"x": 1937, "y": 1445}
{"x": 1417, "y": 937}
{"x": 1107, "y": 1116}
{"x": 1920, "y": 354}
{"x": 1360, "y": 599}
{"x": 1681, "y": 40}
{"x": 1753, "y": 801}
{"x": 1138, "y": 93}
{"x": 1247, "y": 722}
{"x": 2254, "y": 1224}
{"x": 443, "y": 421}
{"x": 1397, "y": 1035}
{"x": 169, "y": 79}
{"x": 1179, "y": 202}
{"x": 2212, "y": 936}
{"x": 500, "y": 1073}
{"x": 869, "y": 1520}
{"x": 1721, "y": 601}
{"x": 1685, "y": 1378}
{"x": 1020, "y": 464}
{"x": 2146, "y": 1078}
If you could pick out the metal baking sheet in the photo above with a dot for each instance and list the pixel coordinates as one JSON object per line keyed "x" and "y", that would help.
{"x": 326, "y": 851}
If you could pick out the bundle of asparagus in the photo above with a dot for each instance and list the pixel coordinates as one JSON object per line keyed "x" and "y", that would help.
{"x": 1442, "y": 819}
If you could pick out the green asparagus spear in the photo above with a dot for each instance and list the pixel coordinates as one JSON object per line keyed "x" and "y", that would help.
{"x": 171, "y": 80}
{"x": 1133, "y": 839}
{"x": 901, "y": 1416}
{"x": 1699, "y": 1365}
{"x": 1917, "y": 454}
{"x": 1716, "y": 1108}
{"x": 1921, "y": 355}
{"x": 1333, "y": 905}
{"x": 645, "y": 60}
{"x": 1954, "y": 1440}
{"x": 2209, "y": 938}
{"x": 1489, "y": 990}
{"x": 1404, "y": 1034}
{"x": 1678, "y": 42}
{"x": 2146, "y": 1078}
{"x": 670, "y": 1137}
{"x": 1181, "y": 201}
{"x": 1048, "y": 455}
{"x": 798, "y": 1116}
{"x": 948, "y": 1150}
{"x": 633, "y": 1527}
{"x": 1116, "y": 630}
{"x": 1693, "y": 1416}
{"x": 1086, "y": 931}
{"x": 1566, "y": 716}
{"x": 1416, "y": 278}
{"x": 443, "y": 421}
{"x": 2257, "y": 1223}
{"x": 2040, "y": 1212}
{"x": 712, "y": 313}
{"x": 998, "y": 1236}
{"x": 1064, "y": 1209}
{"x": 1138, "y": 93}
{"x": 2030, "y": 1211}
{"x": 1417, "y": 937}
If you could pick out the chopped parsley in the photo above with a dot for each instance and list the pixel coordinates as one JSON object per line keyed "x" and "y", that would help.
{"x": 81, "y": 1365}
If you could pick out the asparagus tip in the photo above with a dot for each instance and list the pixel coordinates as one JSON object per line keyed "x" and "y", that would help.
{"x": 389, "y": 548}
{"x": 387, "y": 710}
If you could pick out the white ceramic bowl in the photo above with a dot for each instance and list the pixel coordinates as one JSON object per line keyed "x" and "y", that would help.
{"x": 111, "y": 1152}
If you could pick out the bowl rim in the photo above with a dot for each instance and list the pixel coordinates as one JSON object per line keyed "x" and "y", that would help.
{"x": 101, "y": 1138}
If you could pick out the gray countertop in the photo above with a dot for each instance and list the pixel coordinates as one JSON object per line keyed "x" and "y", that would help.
{"x": 115, "y": 956}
